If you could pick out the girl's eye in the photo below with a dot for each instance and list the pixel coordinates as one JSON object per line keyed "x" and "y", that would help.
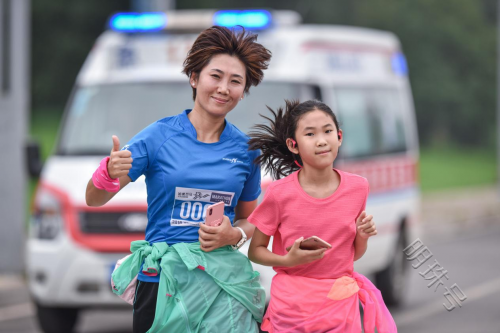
{"x": 329, "y": 131}
{"x": 237, "y": 82}
{"x": 216, "y": 76}
{"x": 309, "y": 134}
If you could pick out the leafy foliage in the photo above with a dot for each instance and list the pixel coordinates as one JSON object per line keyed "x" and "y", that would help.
{"x": 63, "y": 32}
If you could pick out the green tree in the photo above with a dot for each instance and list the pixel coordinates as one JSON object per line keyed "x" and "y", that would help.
{"x": 63, "y": 32}
{"x": 450, "y": 46}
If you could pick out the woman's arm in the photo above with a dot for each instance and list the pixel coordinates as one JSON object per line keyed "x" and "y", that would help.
{"x": 96, "y": 197}
{"x": 119, "y": 164}
{"x": 260, "y": 254}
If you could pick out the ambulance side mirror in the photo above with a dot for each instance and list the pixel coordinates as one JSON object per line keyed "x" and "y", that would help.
{"x": 33, "y": 159}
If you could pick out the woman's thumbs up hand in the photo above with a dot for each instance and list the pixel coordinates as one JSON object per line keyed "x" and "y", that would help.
{"x": 120, "y": 161}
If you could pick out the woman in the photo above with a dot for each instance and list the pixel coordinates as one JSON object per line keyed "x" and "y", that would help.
{"x": 190, "y": 161}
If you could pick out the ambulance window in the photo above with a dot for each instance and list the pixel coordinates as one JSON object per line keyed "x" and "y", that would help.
{"x": 372, "y": 121}
{"x": 389, "y": 121}
{"x": 272, "y": 94}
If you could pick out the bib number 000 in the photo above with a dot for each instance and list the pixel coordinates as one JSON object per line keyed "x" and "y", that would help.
{"x": 196, "y": 211}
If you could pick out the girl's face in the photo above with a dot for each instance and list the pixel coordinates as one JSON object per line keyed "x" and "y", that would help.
{"x": 220, "y": 85}
{"x": 317, "y": 140}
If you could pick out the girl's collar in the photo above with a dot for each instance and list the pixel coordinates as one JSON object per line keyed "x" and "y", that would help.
{"x": 314, "y": 199}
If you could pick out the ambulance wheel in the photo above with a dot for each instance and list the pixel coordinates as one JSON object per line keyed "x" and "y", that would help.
{"x": 392, "y": 280}
{"x": 56, "y": 320}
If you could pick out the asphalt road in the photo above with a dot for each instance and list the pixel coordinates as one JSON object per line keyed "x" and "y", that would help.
{"x": 470, "y": 255}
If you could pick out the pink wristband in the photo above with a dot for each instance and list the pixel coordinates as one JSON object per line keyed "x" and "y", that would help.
{"x": 102, "y": 180}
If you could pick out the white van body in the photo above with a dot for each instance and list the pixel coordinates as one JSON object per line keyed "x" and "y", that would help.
{"x": 130, "y": 80}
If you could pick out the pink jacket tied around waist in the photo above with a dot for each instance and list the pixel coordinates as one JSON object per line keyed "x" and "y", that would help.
{"x": 302, "y": 304}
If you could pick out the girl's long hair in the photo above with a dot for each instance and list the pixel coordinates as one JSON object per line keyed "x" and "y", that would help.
{"x": 276, "y": 158}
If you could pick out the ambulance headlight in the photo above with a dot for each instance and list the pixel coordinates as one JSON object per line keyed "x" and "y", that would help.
{"x": 47, "y": 221}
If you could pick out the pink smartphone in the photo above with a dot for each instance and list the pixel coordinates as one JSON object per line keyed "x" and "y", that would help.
{"x": 313, "y": 243}
{"x": 215, "y": 214}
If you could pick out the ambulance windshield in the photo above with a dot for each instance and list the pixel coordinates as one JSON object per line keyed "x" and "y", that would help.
{"x": 98, "y": 112}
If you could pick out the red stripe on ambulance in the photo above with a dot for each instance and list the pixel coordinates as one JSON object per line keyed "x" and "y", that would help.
{"x": 385, "y": 174}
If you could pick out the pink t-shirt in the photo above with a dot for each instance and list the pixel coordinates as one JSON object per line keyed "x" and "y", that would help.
{"x": 288, "y": 213}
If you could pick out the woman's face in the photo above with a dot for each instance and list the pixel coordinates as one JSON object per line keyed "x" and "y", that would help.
{"x": 220, "y": 85}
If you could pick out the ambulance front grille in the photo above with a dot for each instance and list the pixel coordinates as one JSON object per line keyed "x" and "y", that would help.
{"x": 113, "y": 223}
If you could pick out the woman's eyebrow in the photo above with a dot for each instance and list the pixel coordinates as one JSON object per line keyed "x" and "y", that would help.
{"x": 222, "y": 72}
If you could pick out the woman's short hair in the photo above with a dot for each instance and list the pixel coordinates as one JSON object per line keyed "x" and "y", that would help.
{"x": 221, "y": 40}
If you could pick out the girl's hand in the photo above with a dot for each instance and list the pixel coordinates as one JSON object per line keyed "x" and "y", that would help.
{"x": 120, "y": 161}
{"x": 365, "y": 227}
{"x": 296, "y": 256}
{"x": 212, "y": 238}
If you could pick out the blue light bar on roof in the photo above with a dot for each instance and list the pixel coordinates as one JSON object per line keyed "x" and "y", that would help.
{"x": 399, "y": 65}
{"x": 134, "y": 22}
{"x": 250, "y": 19}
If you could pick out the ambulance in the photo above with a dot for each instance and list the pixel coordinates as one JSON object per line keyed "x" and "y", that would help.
{"x": 132, "y": 77}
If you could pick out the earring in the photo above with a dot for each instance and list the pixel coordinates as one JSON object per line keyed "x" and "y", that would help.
{"x": 296, "y": 162}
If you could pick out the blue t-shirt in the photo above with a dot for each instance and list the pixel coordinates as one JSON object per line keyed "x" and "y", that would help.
{"x": 184, "y": 176}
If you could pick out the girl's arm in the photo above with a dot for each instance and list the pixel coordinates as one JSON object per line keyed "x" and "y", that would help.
{"x": 241, "y": 212}
{"x": 365, "y": 228}
{"x": 360, "y": 246}
{"x": 259, "y": 253}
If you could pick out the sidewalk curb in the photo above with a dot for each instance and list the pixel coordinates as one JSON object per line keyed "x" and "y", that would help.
{"x": 11, "y": 281}
{"x": 457, "y": 210}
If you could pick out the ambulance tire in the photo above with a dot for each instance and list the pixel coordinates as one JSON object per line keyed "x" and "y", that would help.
{"x": 392, "y": 280}
{"x": 56, "y": 320}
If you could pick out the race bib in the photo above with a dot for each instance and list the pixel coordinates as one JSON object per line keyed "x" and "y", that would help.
{"x": 190, "y": 205}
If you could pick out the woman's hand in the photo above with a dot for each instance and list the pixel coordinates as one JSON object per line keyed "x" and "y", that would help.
{"x": 365, "y": 226}
{"x": 212, "y": 238}
{"x": 119, "y": 165}
{"x": 120, "y": 161}
{"x": 296, "y": 256}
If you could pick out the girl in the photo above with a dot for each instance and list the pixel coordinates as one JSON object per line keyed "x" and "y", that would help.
{"x": 189, "y": 277}
{"x": 313, "y": 290}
